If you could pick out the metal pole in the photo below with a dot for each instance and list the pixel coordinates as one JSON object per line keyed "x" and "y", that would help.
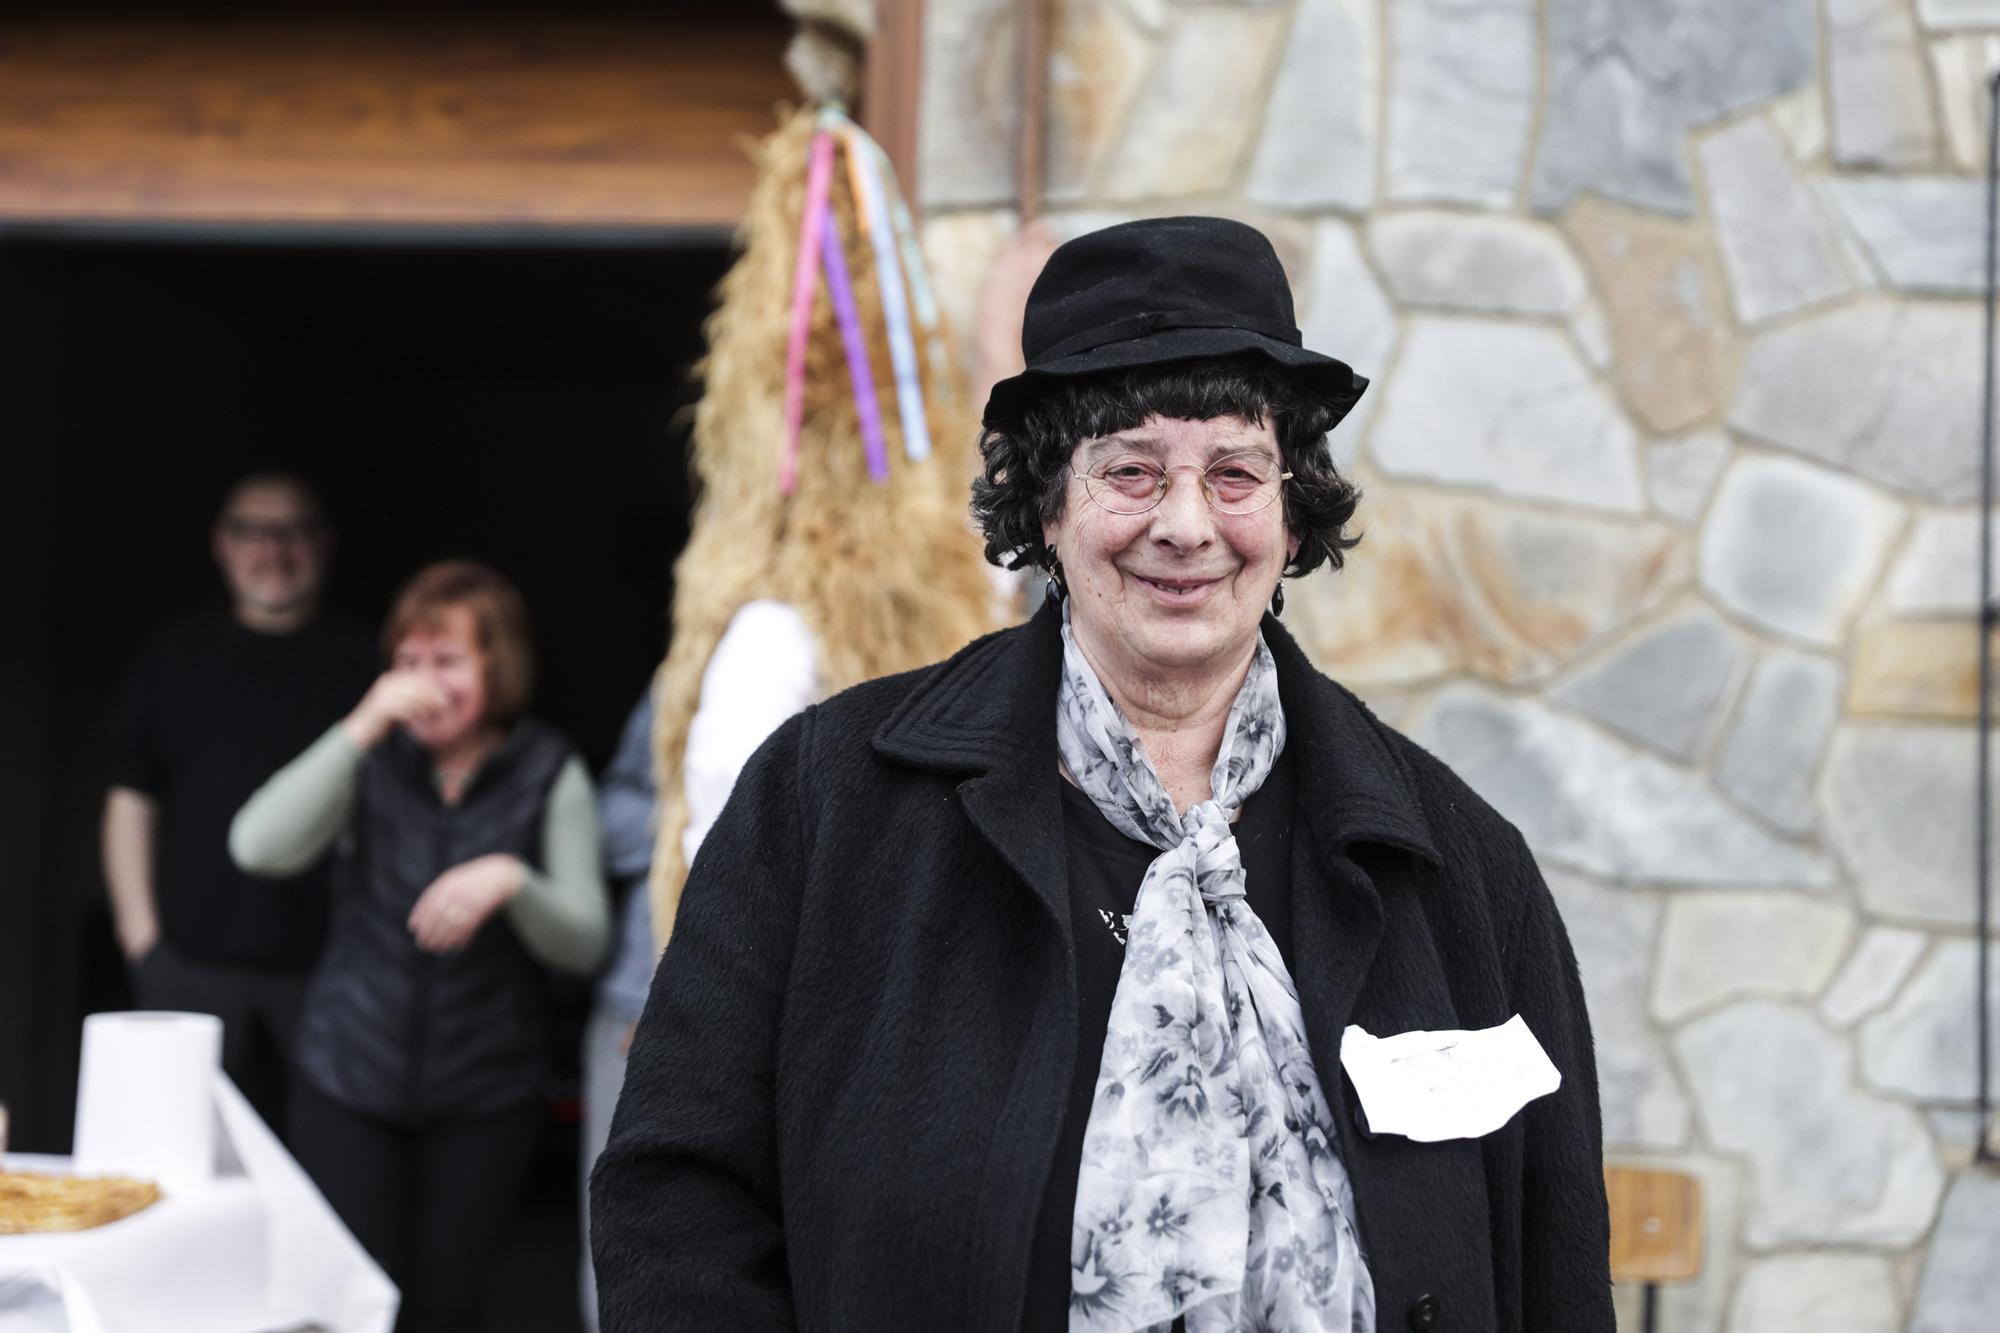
{"x": 1982, "y": 1148}
{"x": 1029, "y": 143}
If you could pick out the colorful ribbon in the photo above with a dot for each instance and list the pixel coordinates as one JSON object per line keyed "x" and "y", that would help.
{"x": 921, "y": 295}
{"x": 812, "y": 230}
{"x": 905, "y": 288}
{"x": 859, "y": 374}
{"x": 872, "y": 206}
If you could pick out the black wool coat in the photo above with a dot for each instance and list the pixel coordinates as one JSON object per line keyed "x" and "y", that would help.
{"x": 844, "y": 1096}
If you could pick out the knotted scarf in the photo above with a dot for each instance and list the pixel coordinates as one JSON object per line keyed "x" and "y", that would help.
{"x": 1210, "y": 1186}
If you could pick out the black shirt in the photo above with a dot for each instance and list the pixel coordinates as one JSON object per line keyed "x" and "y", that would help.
{"x": 1105, "y": 871}
{"x": 209, "y": 710}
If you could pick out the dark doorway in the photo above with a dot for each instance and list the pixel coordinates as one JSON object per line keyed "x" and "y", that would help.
{"x": 525, "y": 403}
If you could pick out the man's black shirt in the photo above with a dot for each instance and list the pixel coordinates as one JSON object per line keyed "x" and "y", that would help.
{"x": 209, "y": 710}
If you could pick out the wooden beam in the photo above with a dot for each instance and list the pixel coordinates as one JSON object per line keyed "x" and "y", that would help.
{"x": 1028, "y": 129}
{"x": 516, "y": 122}
{"x": 892, "y": 86}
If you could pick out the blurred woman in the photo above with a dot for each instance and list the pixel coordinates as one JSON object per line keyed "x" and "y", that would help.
{"x": 466, "y": 867}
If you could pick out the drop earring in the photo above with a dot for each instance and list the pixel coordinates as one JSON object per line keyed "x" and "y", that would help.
{"x": 1278, "y": 599}
{"x": 1056, "y": 591}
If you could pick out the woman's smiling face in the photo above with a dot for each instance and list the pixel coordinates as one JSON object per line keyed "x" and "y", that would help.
{"x": 448, "y": 654}
{"x": 1178, "y": 590}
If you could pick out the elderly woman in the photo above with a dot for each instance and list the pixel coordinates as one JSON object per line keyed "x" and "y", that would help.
{"x": 1011, "y": 993}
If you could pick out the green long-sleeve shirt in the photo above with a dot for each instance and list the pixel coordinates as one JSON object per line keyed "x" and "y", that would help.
{"x": 562, "y": 912}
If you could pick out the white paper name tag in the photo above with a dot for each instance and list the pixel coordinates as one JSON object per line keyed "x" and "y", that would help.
{"x": 1431, "y": 1086}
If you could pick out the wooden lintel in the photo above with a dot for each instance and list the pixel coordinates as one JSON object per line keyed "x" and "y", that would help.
{"x": 618, "y": 124}
{"x": 892, "y": 86}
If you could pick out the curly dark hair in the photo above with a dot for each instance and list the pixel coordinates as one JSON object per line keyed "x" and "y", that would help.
{"x": 1027, "y": 459}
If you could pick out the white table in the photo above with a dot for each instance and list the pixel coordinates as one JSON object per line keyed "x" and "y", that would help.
{"x": 256, "y": 1250}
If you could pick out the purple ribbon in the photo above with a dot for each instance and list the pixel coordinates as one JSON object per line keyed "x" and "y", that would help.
{"x": 859, "y": 373}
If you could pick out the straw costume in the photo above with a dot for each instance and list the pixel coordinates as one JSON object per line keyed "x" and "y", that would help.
{"x": 832, "y": 446}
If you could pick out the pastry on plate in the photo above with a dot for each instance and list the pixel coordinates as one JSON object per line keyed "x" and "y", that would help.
{"x": 31, "y": 1201}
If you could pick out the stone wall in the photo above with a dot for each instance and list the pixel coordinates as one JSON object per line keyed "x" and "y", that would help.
{"x": 1671, "y": 470}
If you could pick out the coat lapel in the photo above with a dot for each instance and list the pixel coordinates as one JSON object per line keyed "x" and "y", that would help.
{"x": 1361, "y": 830}
{"x": 989, "y": 715}
{"x": 1352, "y": 794}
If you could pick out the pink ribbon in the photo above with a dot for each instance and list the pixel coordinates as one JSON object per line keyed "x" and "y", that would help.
{"x": 812, "y": 228}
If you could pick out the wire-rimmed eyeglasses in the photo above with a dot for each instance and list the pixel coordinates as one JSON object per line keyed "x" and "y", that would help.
{"x": 1235, "y": 484}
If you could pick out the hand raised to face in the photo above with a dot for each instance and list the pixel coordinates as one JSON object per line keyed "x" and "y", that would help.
{"x": 397, "y": 696}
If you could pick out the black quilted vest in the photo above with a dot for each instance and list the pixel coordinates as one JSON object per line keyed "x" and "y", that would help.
{"x": 414, "y": 1037}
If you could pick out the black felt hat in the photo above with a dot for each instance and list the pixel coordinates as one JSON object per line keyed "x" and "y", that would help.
{"x": 1162, "y": 290}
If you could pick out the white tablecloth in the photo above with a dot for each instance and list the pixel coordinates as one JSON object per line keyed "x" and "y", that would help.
{"x": 256, "y": 1250}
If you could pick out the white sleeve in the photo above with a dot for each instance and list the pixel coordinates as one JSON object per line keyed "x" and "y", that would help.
{"x": 765, "y": 669}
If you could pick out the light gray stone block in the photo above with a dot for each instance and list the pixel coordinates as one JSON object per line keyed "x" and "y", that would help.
{"x": 1778, "y": 248}
{"x": 1926, "y": 1045}
{"x": 1593, "y": 335}
{"x": 1665, "y": 688}
{"x": 1462, "y": 85}
{"x": 1669, "y": 315}
{"x": 1318, "y": 145}
{"x": 1960, "y": 1287}
{"x": 1829, "y": 1163}
{"x": 959, "y": 249}
{"x": 1960, "y": 64}
{"x": 1464, "y": 261}
{"x": 966, "y": 122}
{"x": 1069, "y": 223}
{"x": 1681, "y": 473}
{"x": 1732, "y": 945}
{"x": 1099, "y": 54}
{"x": 1887, "y": 389}
{"x": 1344, "y": 314}
{"x": 1944, "y": 15}
{"x": 1826, "y": 1292}
{"x": 1768, "y": 759}
{"x": 1801, "y": 118}
{"x": 1926, "y": 233}
{"x": 1938, "y": 572}
{"x": 1197, "y": 112}
{"x": 1877, "y": 86}
{"x": 1612, "y": 931}
{"x": 1872, "y": 974}
{"x": 1899, "y": 807}
{"x": 1507, "y": 406}
{"x": 1629, "y": 78}
{"x": 1956, "y": 1131}
{"x": 1795, "y": 547}
{"x": 1587, "y": 802}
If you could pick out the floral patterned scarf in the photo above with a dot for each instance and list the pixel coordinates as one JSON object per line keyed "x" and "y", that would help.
{"x": 1210, "y": 1185}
